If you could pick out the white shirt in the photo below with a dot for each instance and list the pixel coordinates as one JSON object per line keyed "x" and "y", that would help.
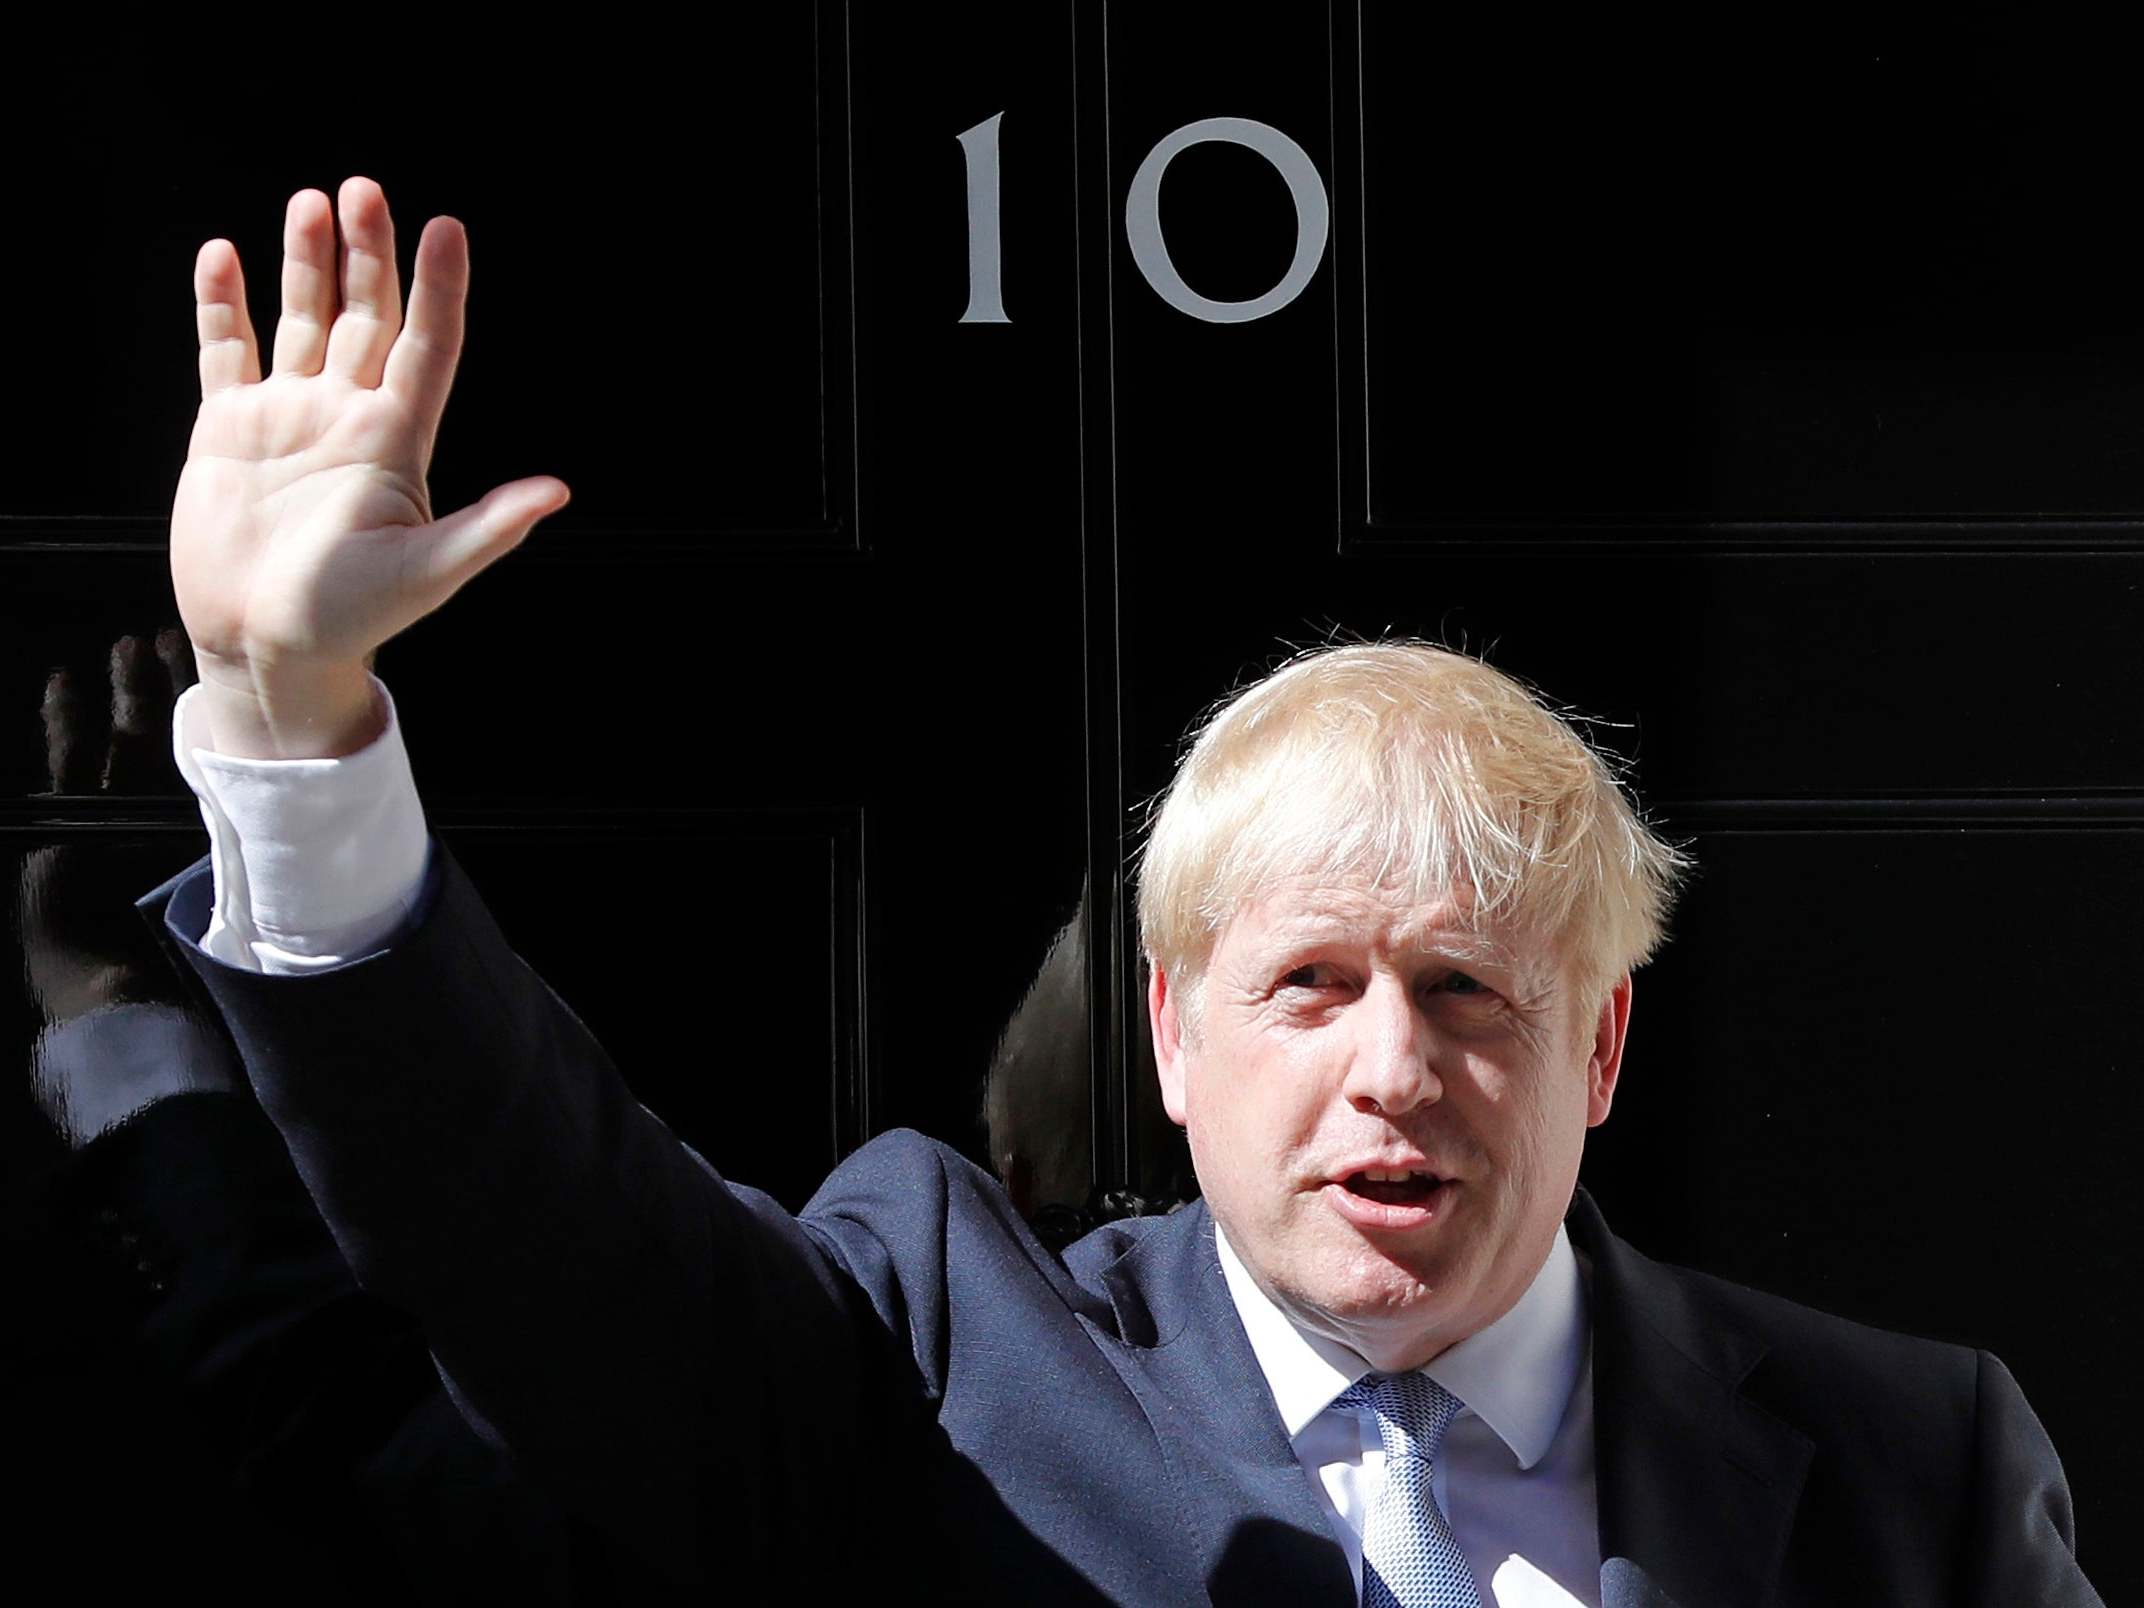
{"x": 316, "y": 861}
{"x": 1515, "y": 1477}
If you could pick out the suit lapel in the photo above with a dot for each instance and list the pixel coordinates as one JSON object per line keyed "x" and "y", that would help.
{"x": 1262, "y": 1533}
{"x": 1696, "y": 1485}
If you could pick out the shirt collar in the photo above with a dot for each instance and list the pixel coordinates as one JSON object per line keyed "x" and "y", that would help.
{"x": 1517, "y": 1375}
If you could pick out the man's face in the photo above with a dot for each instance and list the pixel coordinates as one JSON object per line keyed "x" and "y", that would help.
{"x": 1348, "y": 1035}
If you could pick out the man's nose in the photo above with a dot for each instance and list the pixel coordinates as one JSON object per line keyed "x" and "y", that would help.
{"x": 1392, "y": 1066}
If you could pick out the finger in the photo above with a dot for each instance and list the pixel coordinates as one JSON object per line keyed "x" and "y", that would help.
{"x": 371, "y": 294}
{"x": 301, "y": 334}
{"x": 140, "y": 748}
{"x": 449, "y": 551}
{"x": 74, "y": 734}
{"x": 177, "y": 653}
{"x": 420, "y": 369}
{"x": 229, "y": 353}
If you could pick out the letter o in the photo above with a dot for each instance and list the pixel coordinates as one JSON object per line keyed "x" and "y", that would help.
{"x": 1142, "y": 218}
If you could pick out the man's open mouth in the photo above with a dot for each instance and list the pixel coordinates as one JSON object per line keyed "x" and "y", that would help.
{"x": 1392, "y": 1188}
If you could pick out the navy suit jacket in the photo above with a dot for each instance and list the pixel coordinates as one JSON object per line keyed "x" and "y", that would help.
{"x": 902, "y": 1388}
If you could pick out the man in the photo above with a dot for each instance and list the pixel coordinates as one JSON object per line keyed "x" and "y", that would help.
{"x": 1391, "y": 906}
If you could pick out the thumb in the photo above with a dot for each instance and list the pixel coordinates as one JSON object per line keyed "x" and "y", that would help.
{"x": 456, "y": 547}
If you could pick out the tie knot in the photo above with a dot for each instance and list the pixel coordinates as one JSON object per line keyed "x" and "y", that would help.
{"x": 1413, "y": 1411}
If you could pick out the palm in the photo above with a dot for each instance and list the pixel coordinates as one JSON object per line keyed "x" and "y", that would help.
{"x": 297, "y": 500}
{"x": 302, "y": 534}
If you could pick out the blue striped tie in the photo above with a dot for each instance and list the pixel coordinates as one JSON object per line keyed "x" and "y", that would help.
{"x": 1409, "y": 1559}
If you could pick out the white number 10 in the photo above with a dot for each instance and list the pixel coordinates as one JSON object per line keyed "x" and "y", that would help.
{"x": 1142, "y": 220}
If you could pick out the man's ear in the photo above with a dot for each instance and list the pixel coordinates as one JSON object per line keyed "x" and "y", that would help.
{"x": 1167, "y": 1025}
{"x": 1606, "y": 1060}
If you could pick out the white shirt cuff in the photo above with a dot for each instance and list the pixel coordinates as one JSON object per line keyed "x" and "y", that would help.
{"x": 315, "y": 861}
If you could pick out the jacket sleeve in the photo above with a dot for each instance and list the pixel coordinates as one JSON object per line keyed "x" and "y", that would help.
{"x": 318, "y": 1403}
{"x": 2022, "y": 1532}
{"x": 675, "y": 1358}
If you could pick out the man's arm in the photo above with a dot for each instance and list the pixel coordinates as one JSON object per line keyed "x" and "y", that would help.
{"x": 2023, "y": 1537}
{"x": 675, "y": 1358}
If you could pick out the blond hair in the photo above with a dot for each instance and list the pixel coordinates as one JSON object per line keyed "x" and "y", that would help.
{"x": 1401, "y": 763}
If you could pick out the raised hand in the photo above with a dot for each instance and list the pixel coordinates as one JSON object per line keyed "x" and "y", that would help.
{"x": 302, "y": 536}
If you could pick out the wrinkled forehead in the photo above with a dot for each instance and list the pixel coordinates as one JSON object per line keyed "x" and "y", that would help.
{"x": 1395, "y": 915}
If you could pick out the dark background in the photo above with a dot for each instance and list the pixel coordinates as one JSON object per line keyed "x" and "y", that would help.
{"x": 1766, "y": 383}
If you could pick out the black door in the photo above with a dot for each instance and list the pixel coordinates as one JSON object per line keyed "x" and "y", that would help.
{"x": 958, "y": 399}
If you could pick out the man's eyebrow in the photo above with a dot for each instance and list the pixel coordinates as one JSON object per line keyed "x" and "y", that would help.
{"x": 1462, "y": 947}
{"x": 1311, "y": 928}
{"x": 1453, "y": 943}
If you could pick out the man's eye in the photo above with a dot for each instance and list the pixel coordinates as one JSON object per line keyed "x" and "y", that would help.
{"x": 1303, "y": 977}
{"x": 1461, "y": 983}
